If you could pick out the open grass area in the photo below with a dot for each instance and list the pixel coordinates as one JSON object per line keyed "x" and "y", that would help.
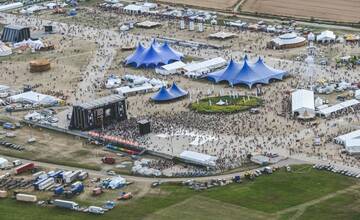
{"x": 260, "y": 199}
{"x": 229, "y": 105}
{"x": 344, "y": 206}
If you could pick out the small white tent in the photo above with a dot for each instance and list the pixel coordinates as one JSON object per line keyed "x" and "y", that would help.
{"x": 4, "y": 50}
{"x": 303, "y": 103}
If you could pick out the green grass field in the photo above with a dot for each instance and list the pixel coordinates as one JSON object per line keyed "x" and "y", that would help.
{"x": 281, "y": 196}
{"x": 242, "y": 103}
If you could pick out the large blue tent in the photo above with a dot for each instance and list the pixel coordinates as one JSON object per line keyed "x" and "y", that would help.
{"x": 155, "y": 55}
{"x": 174, "y": 92}
{"x": 246, "y": 73}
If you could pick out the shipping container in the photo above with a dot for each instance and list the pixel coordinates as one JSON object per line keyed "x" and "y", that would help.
{"x": 66, "y": 204}
{"x": 3, "y": 194}
{"x": 24, "y": 168}
{"x": 26, "y": 197}
{"x": 43, "y": 184}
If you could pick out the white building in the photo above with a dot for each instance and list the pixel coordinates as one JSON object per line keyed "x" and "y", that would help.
{"x": 302, "y": 102}
{"x": 3, "y": 163}
{"x": 351, "y": 142}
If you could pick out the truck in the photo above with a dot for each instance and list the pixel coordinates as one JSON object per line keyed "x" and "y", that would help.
{"x": 24, "y": 168}
{"x": 72, "y": 176}
{"x": 44, "y": 183}
{"x": 83, "y": 175}
{"x": 96, "y": 210}
{"x": 66, "y": 204}
{"x": 17, "y": 163}
{"x": 38, "y": 174}
{"x": 59, "y": 190}
{"x": 108, "y": 160}
{"x": 26, "y": 197}
{"x": 77, "y": 187}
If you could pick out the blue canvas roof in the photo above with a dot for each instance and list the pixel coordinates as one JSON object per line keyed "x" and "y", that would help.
{"x": 155, "y": 55}
{"x": 174, "y": 92}
{"x": 246, "y": 73}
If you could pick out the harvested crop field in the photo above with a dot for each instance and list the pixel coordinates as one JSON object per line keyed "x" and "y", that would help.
{"x": 215, "y": 4}
{"x": 335, "y": 10}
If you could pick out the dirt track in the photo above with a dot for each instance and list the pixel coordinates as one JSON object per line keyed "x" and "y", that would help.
{"x": 216, "y": 4}
{"x": 337, "y": 10}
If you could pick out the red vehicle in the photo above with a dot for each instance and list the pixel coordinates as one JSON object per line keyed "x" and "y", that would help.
{"x": 97, "y": 191}
{"x": 108, "y": 160}
{"x": 24, "y": 168}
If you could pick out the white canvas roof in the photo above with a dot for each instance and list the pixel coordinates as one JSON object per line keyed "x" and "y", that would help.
{"x": 148, "y": 24}
{"x": 199, "y": 158}
{"x": 4, "y": 50}
{"x": 301, "y": 99}
{"x": 222, "y": 35}
{"x": 327, "y": 111}
{"x": 136, "y": 8}
{"x": 205, "y": 64}
{"x": 33, "y": 98}
{"x": 126, "y": 89}
{"x": 173, "y": 66}
{"x": 290, "y": 38}
{"x": 342, "y": 139}
{"x": 326, "y": 35}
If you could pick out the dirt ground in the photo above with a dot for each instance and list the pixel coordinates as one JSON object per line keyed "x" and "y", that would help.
{"x": 345, "y": 10}
{"x": 216, "y": 4}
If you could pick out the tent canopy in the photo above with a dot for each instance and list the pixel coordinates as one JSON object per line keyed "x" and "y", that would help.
{"x": 174, "y": 92}
{"x": 246, "y": 73}
{"x": 153, "y": 56}
{"x": 198, "y": 158}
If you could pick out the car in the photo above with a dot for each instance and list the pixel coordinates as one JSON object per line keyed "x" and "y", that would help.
{"x": 111, "y": 173}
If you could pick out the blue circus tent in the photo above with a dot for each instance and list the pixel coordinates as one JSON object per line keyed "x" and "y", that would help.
{"x": 155, "y": 55}
{"x": 174, "y": 92}
{"x": 246, "y": 73}
{"x": 174, "y": 89}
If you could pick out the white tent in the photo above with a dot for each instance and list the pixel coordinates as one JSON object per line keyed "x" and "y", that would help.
{"x": 338, "y": 107}
{"x": 148, "y": 24}
{"x": 345, "y": 137}
{"x": 34, "y": 98}
{"x": 326, "y": 37}
{"x": 205, "y": 66}
{"x": 37, "y": 44}
{"x": 3, "y": 163}
{"x": 171, "y": 68}
{"x": 4, "y": 50}
{"x": 198, "y": 158}
{"x": 303, "y": 103}
{"x": 311, "y": 36}
{"x": 222, "y": 35}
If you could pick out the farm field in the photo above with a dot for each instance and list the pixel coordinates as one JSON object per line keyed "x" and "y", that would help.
{"x": 214, "y": 4}
{"x": 346, "y": 10}
{"x": 290, "y": 194}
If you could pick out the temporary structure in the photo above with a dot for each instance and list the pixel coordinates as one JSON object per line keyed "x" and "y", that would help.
{"x": 154, "y": 55}
{"x": 198, "y": 158}
{"x": 4, "y": 50}
{"x": 246, "y": 73}
{"x": 326, "y": 37}
{"x": 40, "y": 65}
{"x": 302, "y": 102}
{"x": 171, "y": 68}
{"x": 148, "y": 24}
{"x": 34, "y": 98}
{"x": 222, "y": 35}
{"x": 173, "y": 93}
{"x": 285, "y": 41}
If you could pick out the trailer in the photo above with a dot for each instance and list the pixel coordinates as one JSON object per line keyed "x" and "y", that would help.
{"x": 3, "y": 194}
{"x": 96, "y": 210}
{"x": 66, "y": 204}
{"x": 24, "y": 168}
{"x": 83, "y": 175}
{"x": 72, "y": 176}
{"x": 25, "y": 197}
{"x": 38, "y": 174}
{"x": 59, "y": 190}
{"x": 44, "y": 183}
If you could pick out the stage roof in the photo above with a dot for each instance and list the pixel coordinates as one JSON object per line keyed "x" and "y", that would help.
{"x": 101, "y": 102}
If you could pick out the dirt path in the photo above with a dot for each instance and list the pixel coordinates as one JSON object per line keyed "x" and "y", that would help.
{"x": 302, "y": 207}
